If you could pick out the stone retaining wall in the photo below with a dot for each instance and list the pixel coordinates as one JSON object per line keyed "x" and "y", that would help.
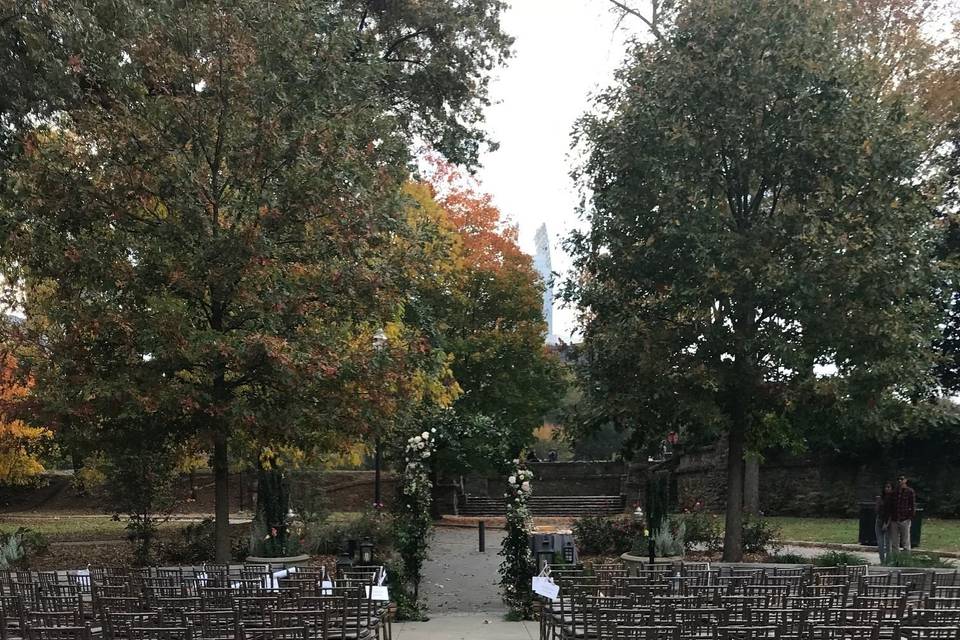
{"x": 816, "y": 486}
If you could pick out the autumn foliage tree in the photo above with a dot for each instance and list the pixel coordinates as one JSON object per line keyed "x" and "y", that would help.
{"x": 196, "y": 233}
{"x": 488, "y": 316}
{"x": 19, "y": 442}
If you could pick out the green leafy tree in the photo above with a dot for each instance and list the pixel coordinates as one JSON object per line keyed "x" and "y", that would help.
{"x": 140, "y": 474}
{"x": 948, "y": 369}
{"x": 758, "y": 209}
{"x": 197, "y": 232}
{"x": 493, "y": 323}
{"x": 478, "y": 299}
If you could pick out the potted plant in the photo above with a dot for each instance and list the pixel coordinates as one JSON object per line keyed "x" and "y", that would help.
{"x": 667, "y": 542}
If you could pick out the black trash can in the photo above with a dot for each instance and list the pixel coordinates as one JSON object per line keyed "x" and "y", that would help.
{"x": 868, "y": 524}
{"x": 916, "y": 528}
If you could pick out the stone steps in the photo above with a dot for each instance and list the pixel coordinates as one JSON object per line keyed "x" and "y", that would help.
{"x": 555, "y": 506}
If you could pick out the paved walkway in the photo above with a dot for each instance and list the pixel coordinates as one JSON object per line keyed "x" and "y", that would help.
{"x": 458, "y": 579}
{"x": 466, "y": 627}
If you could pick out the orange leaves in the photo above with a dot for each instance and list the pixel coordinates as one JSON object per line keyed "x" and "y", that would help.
{"x": 18, "y": 440}
{"x": 489, "y": 240}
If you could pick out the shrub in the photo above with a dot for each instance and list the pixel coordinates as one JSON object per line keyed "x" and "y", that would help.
{"x": 327, "y": 538}
{"x": 701, "y": 529}
{"x": 196, "y": 543}
{"x": 922, "y": 559}
{"x": 668, "y": 541}
{"x": 787, "y": 558}
{"x": 598, "y": 535}
{"x": 407, "y": 607}
{"x": 16, "y": 547}
{"x": 11, "y": 550}
{"x": 273, "y": 543}
{"x": 760, "y": 536}
{"x": 838, "y": 559}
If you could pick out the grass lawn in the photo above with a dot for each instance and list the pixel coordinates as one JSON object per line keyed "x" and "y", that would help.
{"x": 67, "y": 528}
{"x": 72, "y": 528}
{"x": 938, "y": 535}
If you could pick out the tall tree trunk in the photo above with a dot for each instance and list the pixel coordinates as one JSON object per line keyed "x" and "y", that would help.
{"x": 221, "y": 480}
{"x": 741, "y": 391}
{"x": 733, "y": 535}
{"x": 751, "y": 484}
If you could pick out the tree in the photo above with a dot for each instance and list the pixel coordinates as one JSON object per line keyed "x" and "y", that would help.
{"x": 948, "y": 369}
{"x": 494, "y": 325}
{"x": 140, "y": 473}
{"x": 19, "y": 442}
{"x": 196, "y": 233}
{"x": 760, "y": 233}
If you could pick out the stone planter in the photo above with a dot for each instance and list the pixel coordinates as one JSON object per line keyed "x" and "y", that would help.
{"x": 633, "y": 561}
{"x": 287, "y": 561}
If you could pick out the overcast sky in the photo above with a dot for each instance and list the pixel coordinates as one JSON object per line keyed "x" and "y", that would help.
{"x": 565, "y": 50}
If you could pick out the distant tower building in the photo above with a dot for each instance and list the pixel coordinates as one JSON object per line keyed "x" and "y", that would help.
{"x": 541, "y": 263}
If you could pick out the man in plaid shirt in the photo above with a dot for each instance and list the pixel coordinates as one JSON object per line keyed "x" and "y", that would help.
{"x": 904, "y": 508}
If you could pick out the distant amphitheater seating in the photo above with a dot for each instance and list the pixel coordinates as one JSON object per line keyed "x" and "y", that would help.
{"x": 571, "y": 506}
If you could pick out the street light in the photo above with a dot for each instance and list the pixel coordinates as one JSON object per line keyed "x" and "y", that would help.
{"x": 379, "y": 344}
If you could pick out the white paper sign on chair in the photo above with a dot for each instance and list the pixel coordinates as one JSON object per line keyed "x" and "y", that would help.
{"x": 378, "y": 593}
{"x": 544, "y": 586}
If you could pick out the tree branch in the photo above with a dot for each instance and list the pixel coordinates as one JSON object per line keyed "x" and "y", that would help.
{"x": 651, "y": 24}
{"x": 399, "y": 41}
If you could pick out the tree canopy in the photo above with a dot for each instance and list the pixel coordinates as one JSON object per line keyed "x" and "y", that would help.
{"x": 484, "y": 311}
{"x": 197, "y": 227}
{"x": 761, "y": 229}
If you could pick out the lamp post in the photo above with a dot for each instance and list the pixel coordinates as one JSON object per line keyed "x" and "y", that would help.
{"x": 379, "y": 344}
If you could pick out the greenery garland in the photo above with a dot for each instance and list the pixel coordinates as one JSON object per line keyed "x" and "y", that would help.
{"x": 412, "y": 525}
{"x": 518, "y": 566}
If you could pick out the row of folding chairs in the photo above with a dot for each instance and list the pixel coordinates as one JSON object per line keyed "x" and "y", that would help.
{"x": 693, "y": 577}
{"x": 601, "y": 600}
{"x": 349, "y": 616}
{"x": 190, "y": 579}
{"x": 163, "y": 597}
{"x": 814, "y": 632}
{"x": 575, "y": 616}
{"x": 187, "y": 632}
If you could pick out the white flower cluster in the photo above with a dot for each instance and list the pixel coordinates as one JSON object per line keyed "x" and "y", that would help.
{"x": 520, "y": 479}
{"x": 420, "y": 447}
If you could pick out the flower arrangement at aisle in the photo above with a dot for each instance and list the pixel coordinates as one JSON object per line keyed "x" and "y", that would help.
{"x": 413, "y": 519}
{"x": 518, "y": 566}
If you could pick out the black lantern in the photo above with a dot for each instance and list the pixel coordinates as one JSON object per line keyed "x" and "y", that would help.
{"x": 366, "y": 551}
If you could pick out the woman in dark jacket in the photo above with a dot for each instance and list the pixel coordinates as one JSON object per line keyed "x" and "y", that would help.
{"x": 885, "y": 506}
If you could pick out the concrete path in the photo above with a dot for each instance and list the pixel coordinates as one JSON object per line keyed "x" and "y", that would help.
{"x": 458, "y": 579}
{"x": 466, "y": 627}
